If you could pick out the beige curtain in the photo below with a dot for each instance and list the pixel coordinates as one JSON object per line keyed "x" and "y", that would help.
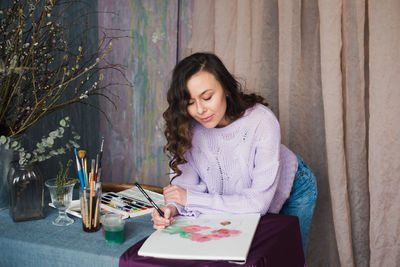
{"x": 384, "y": 131}
{"x": 330, "y": 71}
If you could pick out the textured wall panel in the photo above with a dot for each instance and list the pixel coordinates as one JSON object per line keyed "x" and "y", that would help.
{"x": 134, "y": 140}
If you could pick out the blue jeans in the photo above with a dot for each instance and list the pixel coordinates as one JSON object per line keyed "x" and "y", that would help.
{"x": 301, "y": 202}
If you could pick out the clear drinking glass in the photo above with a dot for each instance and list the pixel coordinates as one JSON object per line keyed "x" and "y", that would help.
{"x": 113, "y": 226}
{"x": 61, "y": 197}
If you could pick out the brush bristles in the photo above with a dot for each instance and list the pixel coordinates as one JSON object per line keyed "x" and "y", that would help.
{"x": 81, "y": 153}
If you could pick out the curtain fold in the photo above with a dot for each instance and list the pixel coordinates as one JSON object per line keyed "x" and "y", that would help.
{"x": 384, "y": 131}
{"x": 355, "y": 124}
{"x": 289, "y": 59}
{"x": 331, "y": 76}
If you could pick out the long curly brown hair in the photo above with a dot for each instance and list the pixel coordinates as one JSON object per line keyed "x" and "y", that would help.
{"x": 177, "y": 119}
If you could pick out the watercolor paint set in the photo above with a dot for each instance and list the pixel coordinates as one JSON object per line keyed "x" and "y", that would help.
{"x": 75, "y": 210}
{"x": 130, "y": 202}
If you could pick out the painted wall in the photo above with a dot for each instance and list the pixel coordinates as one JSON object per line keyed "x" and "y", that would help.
{"x": 156, "y": 33}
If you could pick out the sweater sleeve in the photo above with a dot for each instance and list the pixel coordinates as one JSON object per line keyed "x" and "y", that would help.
{"x": 189, "y": 180}
{"x": 264, "y": 177}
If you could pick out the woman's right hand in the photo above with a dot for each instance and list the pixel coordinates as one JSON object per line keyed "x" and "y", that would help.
{"x": 161, "y": 222}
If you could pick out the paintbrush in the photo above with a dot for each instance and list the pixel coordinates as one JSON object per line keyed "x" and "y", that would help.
{"x": 83, "y": 209}
{"x": 92, "y": 172}
{"x": 96, "y": 212}
{"x": 92, "y": 187}
{"x": 79, "y": 168}
{"x": 100, "y": 159}
{"x": 82, "y": 156}
{"x": 91, "y": 200}
{"x": 97, "y": 168}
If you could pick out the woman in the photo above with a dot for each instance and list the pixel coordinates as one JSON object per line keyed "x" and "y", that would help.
{"x": 225, "y": 150}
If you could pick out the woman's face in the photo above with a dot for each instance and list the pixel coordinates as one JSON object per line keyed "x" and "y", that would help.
{"x": 207, "y": 103}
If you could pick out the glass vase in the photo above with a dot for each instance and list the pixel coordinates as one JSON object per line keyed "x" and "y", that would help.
{"x": 61, "y": 197}
{"x": 26, "y": 192}
{"x": 6, "y": 157}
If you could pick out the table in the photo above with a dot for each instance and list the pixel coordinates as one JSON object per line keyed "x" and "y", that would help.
{"x": 40, "y": 243}
{"x": 277, "y": 242}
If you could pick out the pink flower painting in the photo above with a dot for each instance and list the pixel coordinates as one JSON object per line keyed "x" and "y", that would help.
{"x": 226, "y": 232}
{"x": 194, "y": 228}
{"x": 201, "y": 238}
{"x": 200, "y": 233}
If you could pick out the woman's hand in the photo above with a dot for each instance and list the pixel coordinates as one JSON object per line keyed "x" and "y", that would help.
{"x": 161, "y": 222}
{"x": 174, "y": 193}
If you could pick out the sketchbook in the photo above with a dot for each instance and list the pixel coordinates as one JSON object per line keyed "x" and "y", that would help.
{"x": 206, "y": 237}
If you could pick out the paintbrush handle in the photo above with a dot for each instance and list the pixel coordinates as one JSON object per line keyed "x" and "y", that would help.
{"x": 91, "y": 204}
{"x": 96, "y": 215}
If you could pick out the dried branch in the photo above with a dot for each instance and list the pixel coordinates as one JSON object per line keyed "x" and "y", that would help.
{"x": 40, "y": 71}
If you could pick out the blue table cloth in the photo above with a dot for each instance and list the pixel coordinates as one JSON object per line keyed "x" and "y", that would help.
{"x": 40, "y": 243}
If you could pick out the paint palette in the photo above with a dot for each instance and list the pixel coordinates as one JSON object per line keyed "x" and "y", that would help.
{"x": 75, "y": 210}
{"x": 130, "y": 202}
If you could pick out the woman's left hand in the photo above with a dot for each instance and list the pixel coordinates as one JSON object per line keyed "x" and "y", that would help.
{"x": 174, "y": 193}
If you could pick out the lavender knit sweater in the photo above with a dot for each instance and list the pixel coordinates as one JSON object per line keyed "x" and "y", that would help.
{"x": 240, "y": 168}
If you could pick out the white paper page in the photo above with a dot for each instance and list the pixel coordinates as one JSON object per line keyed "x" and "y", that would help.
{"x": 228, "y": 237}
